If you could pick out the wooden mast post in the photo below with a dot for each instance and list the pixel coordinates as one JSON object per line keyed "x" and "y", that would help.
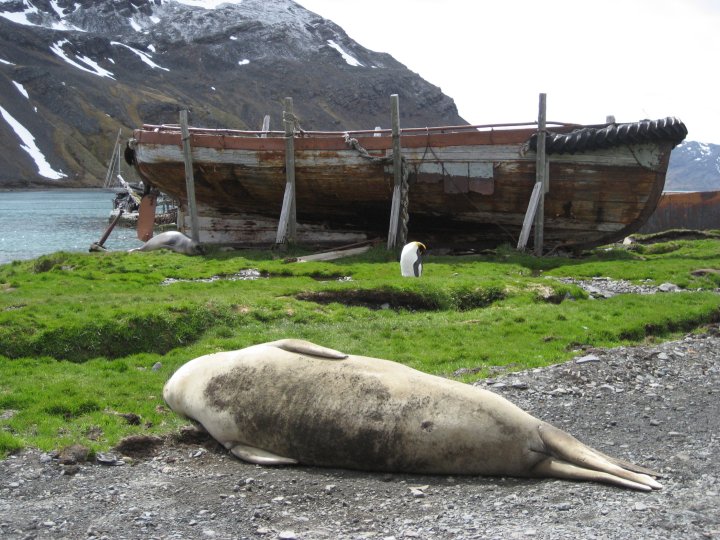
{"x": 541, "y": 176}
{"x": 536, "y": 207}
{"x": 288, "y": 222}
{"x": 393, "y": 232}
{"x": 189, "y": 175}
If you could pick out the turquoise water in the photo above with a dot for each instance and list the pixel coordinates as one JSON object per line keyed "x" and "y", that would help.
{"x": 34, "y": 223}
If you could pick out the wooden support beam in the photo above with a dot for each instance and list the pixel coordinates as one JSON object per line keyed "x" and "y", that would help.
{"x": 99, "y": 245}
{"x": 529, "y": 216}
{"x": 189, "y": 175}
{"x": 393, "y": 231}
{"x": 536, "y": 209}
{"x": 287, "y": 225}
{"x": 541, "y": 176}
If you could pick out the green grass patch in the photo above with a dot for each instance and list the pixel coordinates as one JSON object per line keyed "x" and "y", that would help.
{"x": 80, "y": 333}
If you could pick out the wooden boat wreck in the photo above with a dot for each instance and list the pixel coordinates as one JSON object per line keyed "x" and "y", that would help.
{"x": 468, "y": 186}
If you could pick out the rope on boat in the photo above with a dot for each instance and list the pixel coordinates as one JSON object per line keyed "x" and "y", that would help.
{"x": 290, "y": 117}
{"x": 355, "y": 145}
{"x": 404, "y": 185}
{"x": 404, "y": 202}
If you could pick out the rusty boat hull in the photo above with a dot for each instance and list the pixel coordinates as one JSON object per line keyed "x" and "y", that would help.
{"x": 469, "y": 186}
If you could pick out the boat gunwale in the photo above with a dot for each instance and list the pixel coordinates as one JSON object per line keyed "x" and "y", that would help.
{"x": 158, "y": 128}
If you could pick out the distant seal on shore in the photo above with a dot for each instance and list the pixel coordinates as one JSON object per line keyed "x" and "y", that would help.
{"x": 411, "y": 259}
{"x": 291, "y": 401}
{"x": 174, "y": 240}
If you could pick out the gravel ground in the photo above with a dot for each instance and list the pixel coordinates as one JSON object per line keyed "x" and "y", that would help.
{"x": 656, "y": 405}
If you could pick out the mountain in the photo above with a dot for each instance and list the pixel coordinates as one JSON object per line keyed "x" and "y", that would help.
{"x": 75, "y": 72}
{"x": 694, "y": 166}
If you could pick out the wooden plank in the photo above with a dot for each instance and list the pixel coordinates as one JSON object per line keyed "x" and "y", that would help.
{"x": 332, "y": 255}
{"x": 189, "y": 175}
{"x": 541, "y": 176}
{"x": 529, "y": 215}
{"x": 287, "y": 226}
{"x": 393, "y": 231}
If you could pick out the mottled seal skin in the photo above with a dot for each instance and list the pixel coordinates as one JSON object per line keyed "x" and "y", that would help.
{"x": 173, "y": 240}
{"x": 291, "y": 401}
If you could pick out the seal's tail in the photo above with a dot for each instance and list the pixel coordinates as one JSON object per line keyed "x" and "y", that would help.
{"x": 571, "y": 459}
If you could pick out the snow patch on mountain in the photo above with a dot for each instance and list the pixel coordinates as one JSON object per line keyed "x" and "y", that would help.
{"x": 44, "y": 168}
{"x": 350, "y": 59}
{"x": 207, "y": 4}
{"x": 21, "y": 89}
{"x": 145, "y": 57}
{"x": 92, "y": 66}
{"x": 32, "y": 16}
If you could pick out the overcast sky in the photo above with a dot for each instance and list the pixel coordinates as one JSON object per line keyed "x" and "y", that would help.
{"x": 634, "y": 59}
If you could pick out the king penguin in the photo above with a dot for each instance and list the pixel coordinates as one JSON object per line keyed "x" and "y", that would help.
{"x": 411, "y": 259}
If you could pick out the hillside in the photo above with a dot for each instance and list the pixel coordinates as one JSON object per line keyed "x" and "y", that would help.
{"x": 694, "y": 166}
{"x": 74, "y": 72}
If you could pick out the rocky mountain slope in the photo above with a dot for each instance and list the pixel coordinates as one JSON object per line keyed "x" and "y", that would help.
{"x": 75, "y": 72}
{"x": 694, "y": 166}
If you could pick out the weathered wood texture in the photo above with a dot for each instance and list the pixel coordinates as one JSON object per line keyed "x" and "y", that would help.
{"x": 541, "y": 175}
{"x": 692, "y": 210}
{"x": 189, "y": 174}
{"x": 468, "y": 188}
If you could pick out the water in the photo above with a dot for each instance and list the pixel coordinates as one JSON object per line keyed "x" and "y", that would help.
{"x": 34, "y": 223}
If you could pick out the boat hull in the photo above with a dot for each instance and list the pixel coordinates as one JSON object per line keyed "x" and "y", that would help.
{"x": 467, "y": 188}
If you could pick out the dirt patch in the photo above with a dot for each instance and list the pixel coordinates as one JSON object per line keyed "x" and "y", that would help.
{"x": 139, "y": 446}
{"x": 669, "y": 235}
{"x": 373, "y": 299}
{"x": 656, "y": 405}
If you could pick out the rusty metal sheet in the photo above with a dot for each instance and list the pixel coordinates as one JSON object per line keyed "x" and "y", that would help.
{"x": 146, "y": 219}
{"x": 685, "y": 210}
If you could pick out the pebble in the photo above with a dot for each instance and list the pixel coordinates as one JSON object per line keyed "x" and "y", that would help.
{"x": 603, "y": 287}
{"x": 417, "y": 493}
{"x": 668, "y": 287}
{"x": 587, "y": 358}
{"x": 287, "y": 535}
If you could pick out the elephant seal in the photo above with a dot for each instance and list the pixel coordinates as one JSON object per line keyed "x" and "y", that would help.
{"x": 174, "y": 240}
{"x": 291, "y": 401}
{"x": 411, "y": 259}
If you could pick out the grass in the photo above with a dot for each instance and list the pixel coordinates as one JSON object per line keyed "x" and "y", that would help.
{"x": 80, "y": 333}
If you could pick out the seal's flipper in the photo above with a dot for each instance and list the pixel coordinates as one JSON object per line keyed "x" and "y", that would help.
{"x": 306, "y": 347}
{"x": 259, "y": 457}
{"x": 629, "y": 466}
{"x": 555, "y": 468}
{"x": 569, "y": 450}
